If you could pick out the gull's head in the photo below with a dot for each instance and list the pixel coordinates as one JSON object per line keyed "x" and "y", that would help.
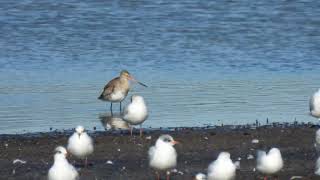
{"x": 136, "y": 98}
{"x": 79, "y": 130}
{"x": 200, "y": 176}
{"x": 274, "y": 152}
{"x": 224, "y": 156}
{"x": 61, "y": 150}
{"x": 166, "y": 139}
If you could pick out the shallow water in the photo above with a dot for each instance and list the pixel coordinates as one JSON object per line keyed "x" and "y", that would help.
{"x": 205, "y": 62}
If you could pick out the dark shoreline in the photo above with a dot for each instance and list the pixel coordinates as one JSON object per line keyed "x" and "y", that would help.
{"x": 222, "y": 127}
{"x": 200, "y": 146}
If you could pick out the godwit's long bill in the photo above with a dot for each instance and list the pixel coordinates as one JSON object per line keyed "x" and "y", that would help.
{"x": 117, "y": 89}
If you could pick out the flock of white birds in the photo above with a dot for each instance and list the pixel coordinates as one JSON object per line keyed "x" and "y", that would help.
{"x": 224, "y": 169}
{"x": 163, "y": 156}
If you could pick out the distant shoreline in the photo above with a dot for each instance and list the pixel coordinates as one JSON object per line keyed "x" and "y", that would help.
{"x": 58, "y": 132}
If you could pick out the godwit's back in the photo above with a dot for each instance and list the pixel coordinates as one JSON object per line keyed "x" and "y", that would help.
{"x": 116, "y": 90}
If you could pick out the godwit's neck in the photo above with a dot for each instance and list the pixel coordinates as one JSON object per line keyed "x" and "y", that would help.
{"x": 124, "y": 81}
{"x": 123, "y": 78}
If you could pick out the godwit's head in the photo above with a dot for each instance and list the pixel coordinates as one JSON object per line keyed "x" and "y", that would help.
{"x": 126, "y": 75}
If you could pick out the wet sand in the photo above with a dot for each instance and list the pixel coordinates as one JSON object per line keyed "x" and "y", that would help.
{"x": 199, "y": 146}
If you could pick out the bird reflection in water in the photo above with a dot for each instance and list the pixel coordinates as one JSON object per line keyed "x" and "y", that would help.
{"x": 113, "y": 121}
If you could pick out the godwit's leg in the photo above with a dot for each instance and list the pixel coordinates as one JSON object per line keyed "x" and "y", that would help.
{"x": 141, "y": 130}
{"x": 131, "y": 129}
{"x": 120, "y": 106}
{"x": 86, "y": 162}
{"x": 111, "y": 108}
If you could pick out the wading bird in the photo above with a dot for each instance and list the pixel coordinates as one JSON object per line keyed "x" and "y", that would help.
{"x": 117, "y": 89}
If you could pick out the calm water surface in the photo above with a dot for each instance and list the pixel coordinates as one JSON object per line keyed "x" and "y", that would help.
{"x": 205, "y": 62}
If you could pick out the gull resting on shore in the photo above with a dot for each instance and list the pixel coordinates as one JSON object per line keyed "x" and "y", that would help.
{"x": 61, "y": 168}
{"x": 222, "y": 168}
{"x": 163, "y": 156}
{"x": 136, "y": 112}
{"x": 80, "y": 144}
{"x": 269, "y": 163}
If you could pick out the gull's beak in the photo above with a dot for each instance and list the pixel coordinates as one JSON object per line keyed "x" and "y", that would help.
{"x": 133, "y": 79}
{"x": 175, "y": 142}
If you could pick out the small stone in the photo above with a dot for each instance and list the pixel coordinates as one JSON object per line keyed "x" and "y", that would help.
{"x": 109, "y": 162}
{"x": 19, "y": 161}
{"x": 246, "y": 133}
{"x": 174, "y": 170}
{"x": 296, "y": 177}
{"x": 250, "y": 156}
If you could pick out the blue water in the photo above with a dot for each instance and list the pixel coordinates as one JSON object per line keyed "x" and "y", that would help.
{"x": 205, "y": 62}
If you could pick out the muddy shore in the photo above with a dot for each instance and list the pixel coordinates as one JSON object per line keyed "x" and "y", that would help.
{"x": 199, "y": 146}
